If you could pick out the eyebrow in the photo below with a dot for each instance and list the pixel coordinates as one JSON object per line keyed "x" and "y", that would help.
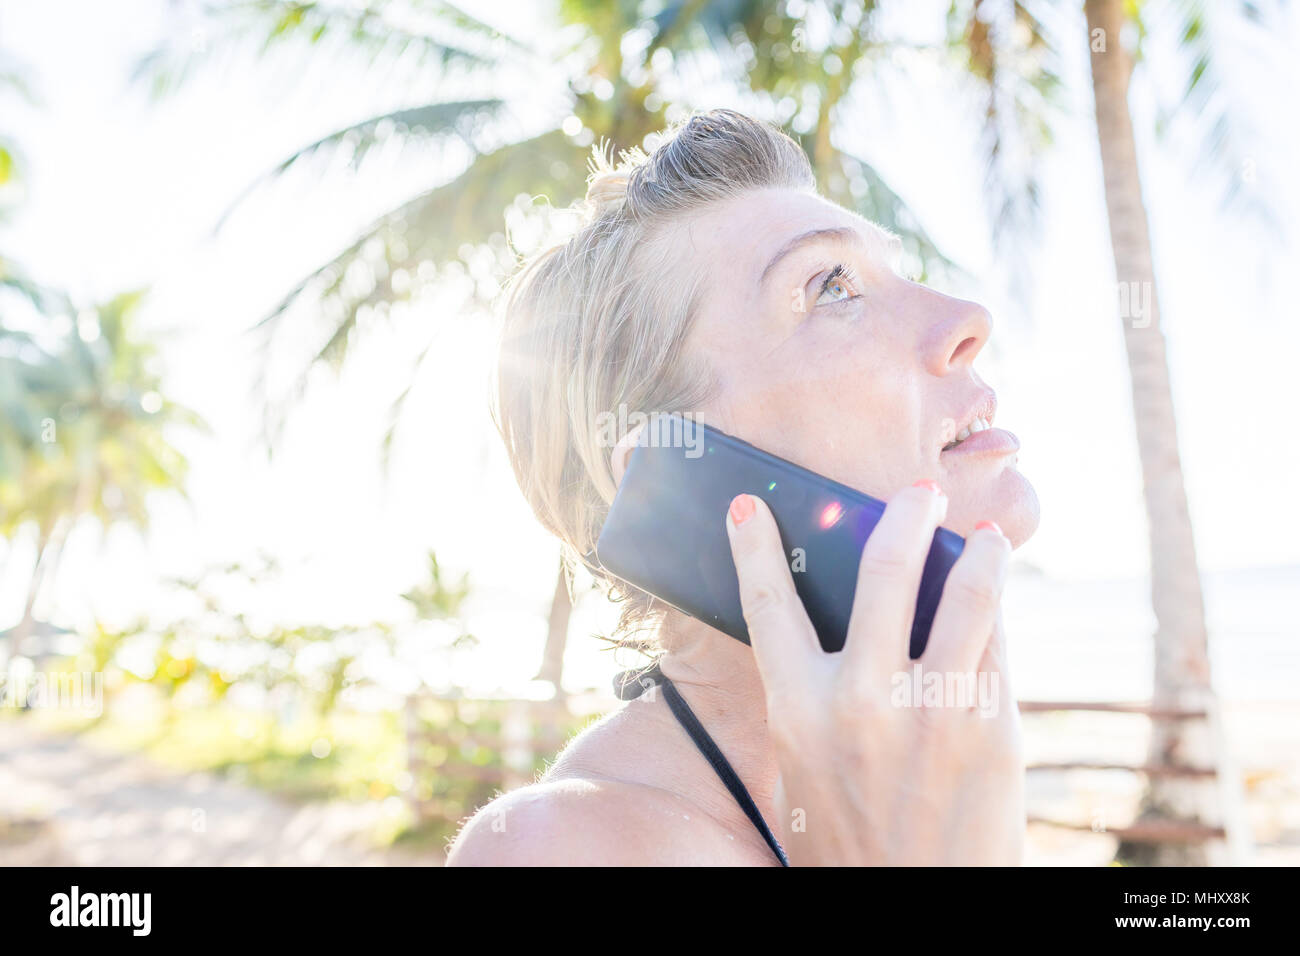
{"x": 842, "y": 234}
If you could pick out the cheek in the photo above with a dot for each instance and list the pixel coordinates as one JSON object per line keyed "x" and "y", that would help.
{"x": 830, "y": 404}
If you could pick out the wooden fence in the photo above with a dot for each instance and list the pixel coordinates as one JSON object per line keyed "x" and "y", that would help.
{"x": 461, "y": 752}
{"x": 1139, "y": 831}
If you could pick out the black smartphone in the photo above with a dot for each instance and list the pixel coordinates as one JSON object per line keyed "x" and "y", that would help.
{"x": 666, "y": 532}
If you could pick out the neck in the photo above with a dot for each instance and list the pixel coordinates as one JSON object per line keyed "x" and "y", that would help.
{"x": 718, "y": 677}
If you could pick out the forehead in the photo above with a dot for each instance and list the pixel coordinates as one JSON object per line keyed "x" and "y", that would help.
{"x": 749, "y": 233}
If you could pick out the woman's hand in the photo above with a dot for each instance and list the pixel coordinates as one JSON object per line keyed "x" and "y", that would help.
{"x": 868, "y": 773}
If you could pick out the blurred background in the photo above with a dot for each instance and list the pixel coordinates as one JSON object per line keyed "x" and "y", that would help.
{"x": 268, "y": 592}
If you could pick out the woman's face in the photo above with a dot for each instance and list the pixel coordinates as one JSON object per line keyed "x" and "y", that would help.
{"x": 824, "y": 355}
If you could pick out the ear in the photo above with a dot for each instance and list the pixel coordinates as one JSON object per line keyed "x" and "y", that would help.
{"x": 622, "y": 451}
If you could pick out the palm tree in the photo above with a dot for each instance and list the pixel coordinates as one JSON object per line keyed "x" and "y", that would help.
{"x": 104, "y": 436}
{"x": 1182, "y": 665}
{"x": 612, "y": 89}
{"x": 1181, "y": 679}
{"x": 82, "y": 421}
{"x": 616, "y": 74}
{"x": 17, "y": 289}
{"x": 29, "y": 374}
{"x": 13, "y": 279}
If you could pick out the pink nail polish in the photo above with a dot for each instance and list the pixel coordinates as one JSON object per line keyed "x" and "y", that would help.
{"x": 742, "y": 509}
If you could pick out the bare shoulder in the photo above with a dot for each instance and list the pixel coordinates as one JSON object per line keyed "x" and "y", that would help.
{"x": 591, "y": 811}
{"x": 569, "y": 822}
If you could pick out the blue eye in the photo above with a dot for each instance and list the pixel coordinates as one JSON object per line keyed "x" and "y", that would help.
{"x": 836, "y": 287}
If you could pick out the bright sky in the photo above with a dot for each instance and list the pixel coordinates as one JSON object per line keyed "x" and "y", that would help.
{"x": 124, "y": 192}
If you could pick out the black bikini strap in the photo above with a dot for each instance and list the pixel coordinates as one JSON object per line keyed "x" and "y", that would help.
{"x": 704, "y": 743}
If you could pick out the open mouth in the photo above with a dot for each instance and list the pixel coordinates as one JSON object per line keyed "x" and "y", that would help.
{"x": 977, "y": 425}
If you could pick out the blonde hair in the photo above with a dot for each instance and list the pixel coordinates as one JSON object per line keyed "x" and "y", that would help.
{"x": 599, "y": 322}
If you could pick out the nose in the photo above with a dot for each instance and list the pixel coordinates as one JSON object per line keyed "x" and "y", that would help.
{"x": 957, "y": 334}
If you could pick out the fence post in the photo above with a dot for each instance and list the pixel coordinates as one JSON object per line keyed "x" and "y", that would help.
{"x": 517, "y": 736}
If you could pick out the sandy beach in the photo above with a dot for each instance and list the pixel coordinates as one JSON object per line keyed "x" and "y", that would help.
{"x": 1262, "y": 742}
{"x": 66, "y": 801}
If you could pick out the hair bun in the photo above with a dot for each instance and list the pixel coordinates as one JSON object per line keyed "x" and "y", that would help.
{"x": 607, "y": 180}
{"x": 607, "y": 188}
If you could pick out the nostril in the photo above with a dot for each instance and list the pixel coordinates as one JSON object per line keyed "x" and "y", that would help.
{"x": 965, "y": 351}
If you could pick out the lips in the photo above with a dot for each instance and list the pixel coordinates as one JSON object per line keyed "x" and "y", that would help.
{"x": 975, "y": 432}
{"x": 996, "y": 441}
{"x": 979, "y": 424}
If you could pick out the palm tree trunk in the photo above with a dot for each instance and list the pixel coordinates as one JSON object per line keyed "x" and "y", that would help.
{"x": 1182, "y": 668}
{"x": 21, "y": 632}
{"x": 557, "y": 634}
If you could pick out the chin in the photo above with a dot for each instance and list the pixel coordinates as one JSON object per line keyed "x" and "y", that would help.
{"x": 1007, "y": 498}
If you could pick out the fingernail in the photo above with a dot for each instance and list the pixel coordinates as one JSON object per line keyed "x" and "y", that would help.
{"x": 742, "y": 509}
{"x": 988, "y": 526}
{"x": 929, "y": 483}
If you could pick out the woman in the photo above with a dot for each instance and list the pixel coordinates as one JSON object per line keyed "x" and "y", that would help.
{"x": 710, "y": 277}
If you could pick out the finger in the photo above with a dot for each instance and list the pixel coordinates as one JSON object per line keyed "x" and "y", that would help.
{"x": 780, "y": 632}
{"x": 994, "y": 658}
{"x": 968, "y": 610}
{"x": 888, "y": 579}
{"x": 994, "y": 663}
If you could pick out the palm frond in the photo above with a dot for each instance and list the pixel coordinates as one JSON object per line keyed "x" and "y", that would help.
{"x": 41, "y": 297}
{"x": 446, "y": 37}
{"x": 1011, "y": 55}
{"x": 865, "y": 191}
{"x": 413, "y": 239}
{"x": 463, "y": 119}
{"x": 1216, "y": 117}
{"x": 13, "y": 77}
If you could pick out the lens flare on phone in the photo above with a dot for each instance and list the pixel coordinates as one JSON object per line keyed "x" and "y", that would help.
{"x": 831, "y": 514}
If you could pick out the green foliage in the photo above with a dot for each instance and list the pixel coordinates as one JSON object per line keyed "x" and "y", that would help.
{"x": 213, "y": 644}
{"x": 13, "y": 87}
{"x": 609, "y": 70}
{"x": 436, "y": 35}
{"x": 443, "y": 757}
{"x": 1013, "y": 61}
{"x": 1207, "y": 107}
{"x": 434, "y": 599}
{"x": 459, "y": 754}
{"x": 356, "y": 756}
{"x": 86, "y": 429}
